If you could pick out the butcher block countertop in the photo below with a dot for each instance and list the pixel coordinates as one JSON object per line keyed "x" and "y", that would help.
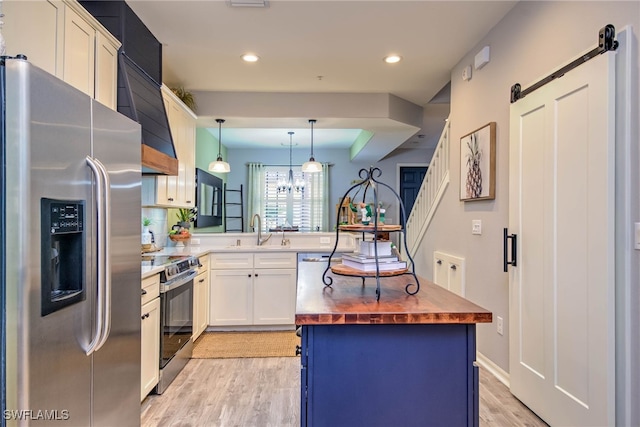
{"x": 348, "y": 302}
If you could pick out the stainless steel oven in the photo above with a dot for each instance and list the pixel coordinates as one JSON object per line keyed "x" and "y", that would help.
{"x": 176, "y": 318}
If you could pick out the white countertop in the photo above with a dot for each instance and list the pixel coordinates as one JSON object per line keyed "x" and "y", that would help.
{"x": 199, "y": 250}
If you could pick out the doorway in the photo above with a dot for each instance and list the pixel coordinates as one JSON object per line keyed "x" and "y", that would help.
{"x": 410, "y": 180}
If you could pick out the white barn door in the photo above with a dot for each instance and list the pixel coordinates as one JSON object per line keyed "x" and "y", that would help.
{"x": 561, "y": 207}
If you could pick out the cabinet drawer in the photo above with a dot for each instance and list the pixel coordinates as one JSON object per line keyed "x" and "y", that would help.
{"x": 150, "y": 288}
{"x": 204, "y": 264}
{"x": 275, "y": 260}
{"x": 233, "y": 260}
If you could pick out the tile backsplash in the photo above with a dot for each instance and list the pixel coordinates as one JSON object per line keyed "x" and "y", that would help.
{"x": 158, "y": 227}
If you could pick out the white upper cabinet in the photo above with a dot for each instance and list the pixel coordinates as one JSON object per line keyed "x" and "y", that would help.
{"x": 62, "y": 38}
{"x": 175, "y": 191}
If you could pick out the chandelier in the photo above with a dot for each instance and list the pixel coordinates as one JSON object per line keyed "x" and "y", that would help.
{"x": 289, "y": 183}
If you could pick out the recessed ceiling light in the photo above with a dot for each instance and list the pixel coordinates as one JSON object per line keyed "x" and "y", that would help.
{"x": 250, "y": 57}
{"x": 248, "y": 3}
{"x": 392, "y": 59}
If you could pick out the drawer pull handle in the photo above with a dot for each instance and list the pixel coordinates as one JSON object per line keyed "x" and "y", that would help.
{"x": 144, "y": 292}
{"x": 453, "y": 267}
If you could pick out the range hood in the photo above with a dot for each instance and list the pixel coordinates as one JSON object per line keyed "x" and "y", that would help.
{"x": 140, "y": 99}
{"x": 139, "y": 79}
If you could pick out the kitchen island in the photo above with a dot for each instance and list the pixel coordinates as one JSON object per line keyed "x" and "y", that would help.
{"x": 404, "y": 360}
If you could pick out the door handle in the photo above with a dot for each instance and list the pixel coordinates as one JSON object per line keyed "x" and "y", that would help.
{"x": 106, "y": 253}
{"x": 100, "y": 282}
{"x": 514, "y": 249}
{"x": 103, "y": 220}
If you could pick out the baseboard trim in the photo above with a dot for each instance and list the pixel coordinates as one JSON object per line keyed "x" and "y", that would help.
{"x": 249, "y": 328}
{"x": 494, "y": 369}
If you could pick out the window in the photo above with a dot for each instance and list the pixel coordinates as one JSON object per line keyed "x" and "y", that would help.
{"x": 301, "y": 208}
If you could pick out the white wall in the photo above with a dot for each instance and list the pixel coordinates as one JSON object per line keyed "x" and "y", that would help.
{"x": 534, "y": 39}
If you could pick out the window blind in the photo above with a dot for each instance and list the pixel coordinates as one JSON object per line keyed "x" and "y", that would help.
{"x": 293, "y": 208}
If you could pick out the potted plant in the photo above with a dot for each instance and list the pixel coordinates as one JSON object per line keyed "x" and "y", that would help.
{"x": 186, "y": 217}
{"x": 146, "y": 235}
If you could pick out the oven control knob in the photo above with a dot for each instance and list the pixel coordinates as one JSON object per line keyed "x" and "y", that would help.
{"x": 172, "y": 270}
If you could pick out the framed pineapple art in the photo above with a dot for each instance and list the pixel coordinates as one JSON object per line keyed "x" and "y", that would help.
{"x": 478, "y": 164}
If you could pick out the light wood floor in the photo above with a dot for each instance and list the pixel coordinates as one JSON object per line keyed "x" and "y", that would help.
{"x": 266, "y": 392}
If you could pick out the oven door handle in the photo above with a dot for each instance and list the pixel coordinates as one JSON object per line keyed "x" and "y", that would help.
{"x": 179, "y": 282}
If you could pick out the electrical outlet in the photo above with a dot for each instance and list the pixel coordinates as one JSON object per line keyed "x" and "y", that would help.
{"x": 476, "y": 226}
{"x": 500, "y": 326}
{"x": 325, "y": 240}
{"x": 195, "y": 242}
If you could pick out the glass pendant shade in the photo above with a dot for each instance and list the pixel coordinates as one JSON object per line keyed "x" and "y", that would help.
{"x": 312, "y": 166}
{"x": 219, "y": 166}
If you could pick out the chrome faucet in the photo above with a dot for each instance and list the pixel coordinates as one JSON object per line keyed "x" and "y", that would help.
{"x": 261, "y": 241}
{"x": 284, "y": 241}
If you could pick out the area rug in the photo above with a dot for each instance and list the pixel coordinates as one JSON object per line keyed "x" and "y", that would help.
{"x": 224, "y": 345}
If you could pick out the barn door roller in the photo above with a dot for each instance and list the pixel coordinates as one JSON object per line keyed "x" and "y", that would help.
{"x": 606, "y": 42}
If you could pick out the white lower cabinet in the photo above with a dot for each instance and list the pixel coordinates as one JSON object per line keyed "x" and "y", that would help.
{"x": 150, "y": 335}
{"x": 252, "y": 288}
{"x": 201, "y": 298}
{"x": 274, "y": 296}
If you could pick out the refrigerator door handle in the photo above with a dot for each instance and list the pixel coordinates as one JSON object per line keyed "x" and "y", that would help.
{"x": 104, "y": 245}
{"x": 100, "y": 237}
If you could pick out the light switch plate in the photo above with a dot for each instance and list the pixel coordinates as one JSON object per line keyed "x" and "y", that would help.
{"x": 637, "y": 235}
{"x": 476, "y": 226}
{"x": 466, "y": 73}
{"x": 325, "y": 240}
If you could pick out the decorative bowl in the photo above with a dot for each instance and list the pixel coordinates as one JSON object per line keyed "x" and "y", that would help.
{"x": 179, "y": 237}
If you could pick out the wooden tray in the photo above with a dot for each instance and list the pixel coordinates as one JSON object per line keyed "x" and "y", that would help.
{"x": 348, "y": 271}
{"x": 370, "y": 227}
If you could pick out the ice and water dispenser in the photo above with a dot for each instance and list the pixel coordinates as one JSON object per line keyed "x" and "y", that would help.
{"x": 62, "y": 253}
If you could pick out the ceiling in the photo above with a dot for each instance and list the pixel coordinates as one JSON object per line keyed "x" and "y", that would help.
{"x": 326, "y": 46}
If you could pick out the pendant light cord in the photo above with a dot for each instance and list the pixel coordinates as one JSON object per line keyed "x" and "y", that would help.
{"x": 220, "y": 122}
{"x": 312, "y": 121}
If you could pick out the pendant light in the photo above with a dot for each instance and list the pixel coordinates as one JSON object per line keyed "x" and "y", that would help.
{"x": 219, "y": 165}
{"x": 289, "y": 183}
{"x": 311, "y": 166}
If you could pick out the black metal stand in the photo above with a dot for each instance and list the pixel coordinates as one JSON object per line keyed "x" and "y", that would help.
{"x": 368, "y": 180}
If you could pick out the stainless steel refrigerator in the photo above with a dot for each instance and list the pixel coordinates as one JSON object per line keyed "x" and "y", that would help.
{"x": 70, "y": 255}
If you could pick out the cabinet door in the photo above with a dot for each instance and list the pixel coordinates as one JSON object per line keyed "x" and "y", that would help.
{"x": 150, "y": 351}
{"x": 106, "y": 71}
{"x": 78, "y": 52}
{"x": 200, "y": 304}
{"x": 35, "y": 29}
{"x": 167, "y": 186}
{"x": 189, "y": 158}
{"x": 231, "y": 297}
{"x": 274, "y": 296}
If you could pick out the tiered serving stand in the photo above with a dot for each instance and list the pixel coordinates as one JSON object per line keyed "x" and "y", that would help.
{"x": 369, "y": 181}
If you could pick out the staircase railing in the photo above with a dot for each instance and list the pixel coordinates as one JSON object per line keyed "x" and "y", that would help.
{"x": 431, "y": 191}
